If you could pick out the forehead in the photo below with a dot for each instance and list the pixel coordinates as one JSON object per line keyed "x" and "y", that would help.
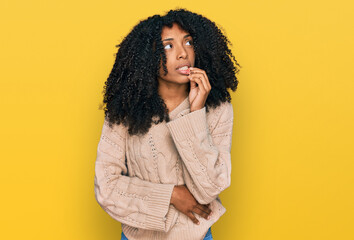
{"x": 174, "y": 30}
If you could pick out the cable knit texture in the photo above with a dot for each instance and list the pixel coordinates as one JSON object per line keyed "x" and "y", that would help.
{"x": 135, "y": 175}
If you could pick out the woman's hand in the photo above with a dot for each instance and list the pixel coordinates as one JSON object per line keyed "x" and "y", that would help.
{"x": 184, "y": 201}
{"x": 198, "y": 94}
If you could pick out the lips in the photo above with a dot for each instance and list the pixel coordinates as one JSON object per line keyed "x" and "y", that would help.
{"x": 183, "y": 64}
{"x": 184, "y": 71}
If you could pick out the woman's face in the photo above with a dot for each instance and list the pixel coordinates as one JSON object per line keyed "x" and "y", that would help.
{"x": 179, "y": 50}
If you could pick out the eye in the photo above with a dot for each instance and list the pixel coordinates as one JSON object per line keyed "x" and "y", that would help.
{"x": 167, "y": 45}
{"x": 191, "y": 42}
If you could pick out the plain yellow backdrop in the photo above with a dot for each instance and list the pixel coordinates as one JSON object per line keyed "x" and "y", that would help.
{"x": 292, "y": 153}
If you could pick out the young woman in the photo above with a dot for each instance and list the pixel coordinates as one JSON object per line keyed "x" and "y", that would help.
{"x": 164, "y": 153}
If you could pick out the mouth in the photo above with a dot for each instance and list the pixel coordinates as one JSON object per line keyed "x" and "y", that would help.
{"x": 183, "y": 70}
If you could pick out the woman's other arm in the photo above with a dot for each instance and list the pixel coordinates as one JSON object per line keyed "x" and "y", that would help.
{"x": 205, "y": 155}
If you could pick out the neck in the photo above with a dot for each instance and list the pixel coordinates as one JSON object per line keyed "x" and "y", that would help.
{"x": 173, "y": 93}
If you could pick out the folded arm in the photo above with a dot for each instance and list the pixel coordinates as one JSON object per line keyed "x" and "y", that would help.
{"x": 129, "y": 200}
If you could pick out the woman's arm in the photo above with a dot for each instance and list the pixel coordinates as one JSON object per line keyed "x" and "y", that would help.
{"x": 129, "y": 200}
{"x": 206, "y": 155}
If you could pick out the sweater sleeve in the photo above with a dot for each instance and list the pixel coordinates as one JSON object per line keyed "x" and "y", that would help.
{"x": 129, "y": 200}
{"x": 206, "y": 154}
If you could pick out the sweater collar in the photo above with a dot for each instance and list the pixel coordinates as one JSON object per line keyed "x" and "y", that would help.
{"x": 183, "y": 106}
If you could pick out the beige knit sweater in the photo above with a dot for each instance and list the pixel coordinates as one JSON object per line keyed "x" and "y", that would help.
{"x": 135, "y": 175}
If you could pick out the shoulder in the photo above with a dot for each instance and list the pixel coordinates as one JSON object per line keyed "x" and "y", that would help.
{"x": 114, "y": 129}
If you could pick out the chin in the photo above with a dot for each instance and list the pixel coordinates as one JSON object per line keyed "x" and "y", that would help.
{"x": 185, "y": 80}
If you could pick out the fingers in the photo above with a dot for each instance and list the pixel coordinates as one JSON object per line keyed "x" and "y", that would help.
{"x": 193, "y": 83}
{"x": 189, "y": 205}
{"x": 202, "y": 211}
{"x": 192, "y": 217}
{"x": 203, "y": 76}
{"x": 200, "y": 83}
{"x": 205, "y": 208}
{"x": 199, "y": 71}
{"x": 203, "y": 80}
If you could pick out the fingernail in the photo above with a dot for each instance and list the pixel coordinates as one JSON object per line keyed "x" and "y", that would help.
{"x": 208, "y": 217}
{"x": 198, "y": 223}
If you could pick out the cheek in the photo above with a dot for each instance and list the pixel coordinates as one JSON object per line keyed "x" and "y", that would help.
{"x": 169, "y": 70}
{"x": 192, "y": 53}
{"x": 170, "y": 67}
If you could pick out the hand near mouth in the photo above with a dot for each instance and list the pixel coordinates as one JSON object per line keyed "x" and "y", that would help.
{"x": 199, "y": 88}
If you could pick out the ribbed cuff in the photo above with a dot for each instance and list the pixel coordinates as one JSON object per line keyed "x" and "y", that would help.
{"x": 188, "y": 125}
{"x": 158, "y": 204}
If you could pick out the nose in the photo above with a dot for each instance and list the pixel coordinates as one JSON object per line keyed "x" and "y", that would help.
{"x": 182, "y": 52}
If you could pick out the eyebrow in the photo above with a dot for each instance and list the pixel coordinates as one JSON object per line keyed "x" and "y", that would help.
{"x": 172, "y": 38}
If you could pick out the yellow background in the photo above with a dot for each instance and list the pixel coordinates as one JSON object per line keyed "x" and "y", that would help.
{"x": 292, "y": 154}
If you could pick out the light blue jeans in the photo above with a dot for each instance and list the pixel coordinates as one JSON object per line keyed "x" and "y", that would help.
{"x": 208, "y": 236}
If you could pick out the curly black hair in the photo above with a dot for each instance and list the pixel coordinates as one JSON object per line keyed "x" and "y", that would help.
{"x": 131, "y": 90}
